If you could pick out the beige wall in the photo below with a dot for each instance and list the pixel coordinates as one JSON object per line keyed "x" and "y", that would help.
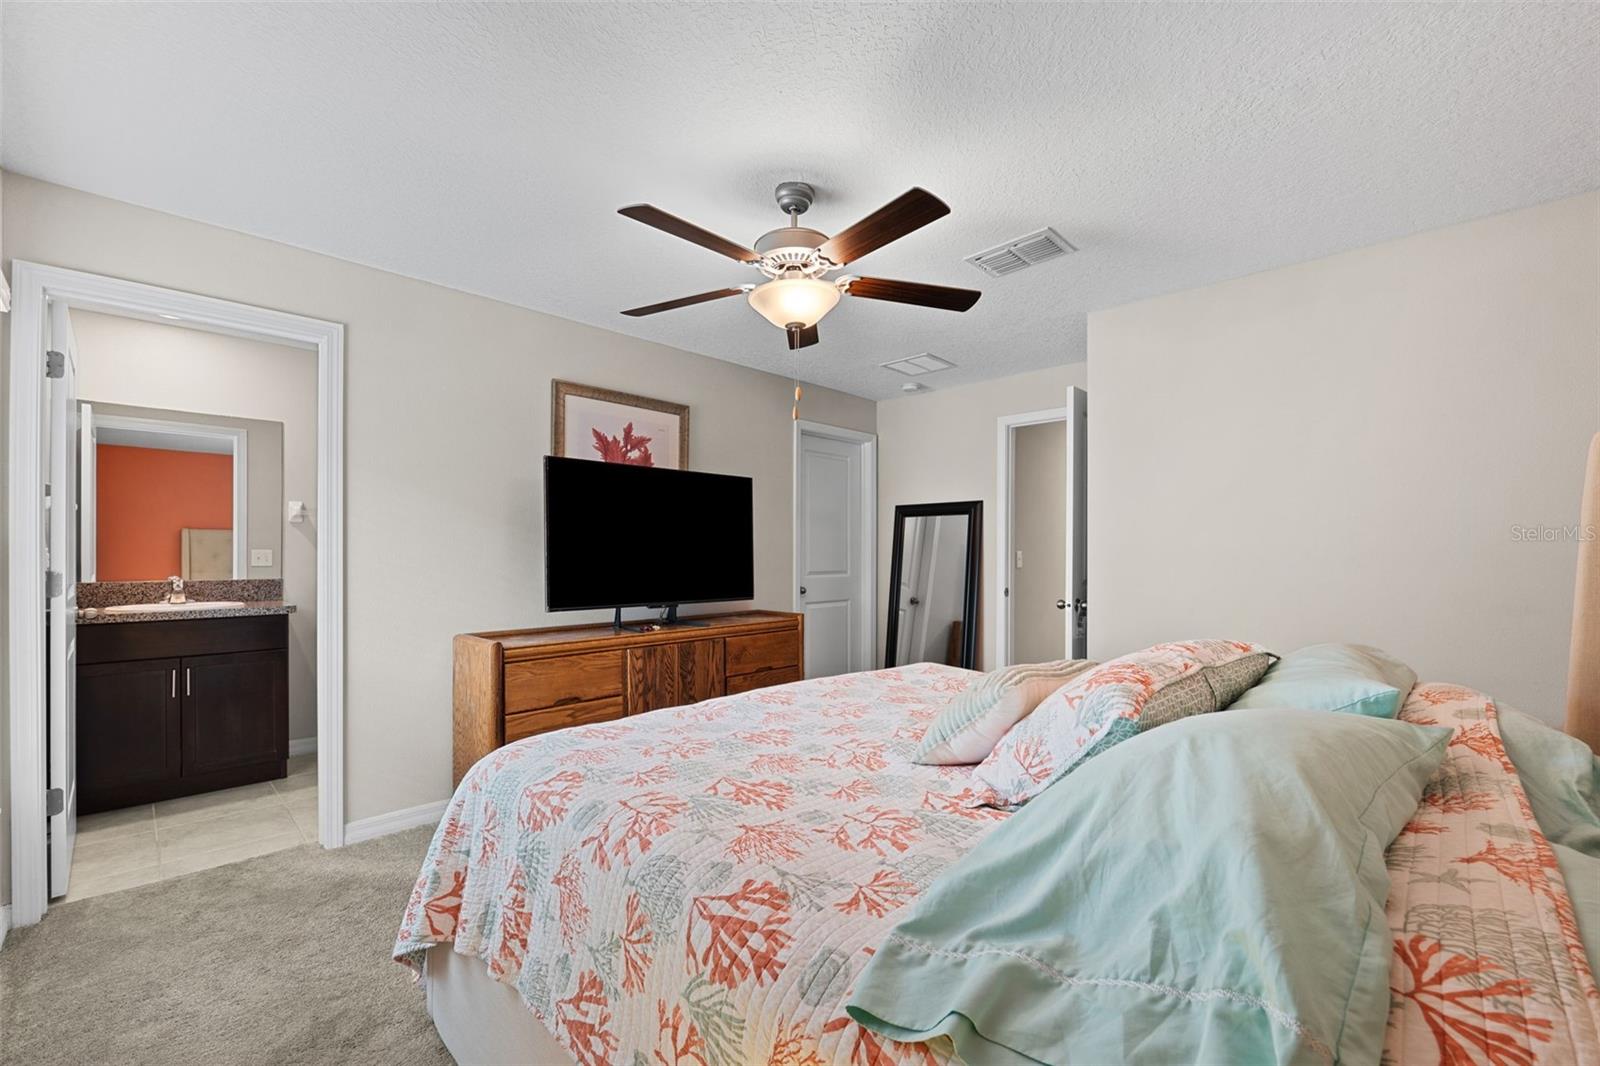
{"x": 152, "y": 364}
{"x": 1039, "y": 508}
{"x": 1354, "y": 449}
{"x": 940, "y": 445}
{"x": 446, "y": 417}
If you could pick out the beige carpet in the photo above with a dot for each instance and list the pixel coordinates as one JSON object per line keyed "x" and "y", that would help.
{"x": 278, "y": 959}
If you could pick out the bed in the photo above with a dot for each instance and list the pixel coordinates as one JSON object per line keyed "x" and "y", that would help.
{"x": 705, "y": 884}
{"x": 683, "y": 858}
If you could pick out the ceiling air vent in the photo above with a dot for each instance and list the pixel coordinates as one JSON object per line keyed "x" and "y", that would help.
{"x": 915, "y": 365}
{"x": 1022, "y": 253}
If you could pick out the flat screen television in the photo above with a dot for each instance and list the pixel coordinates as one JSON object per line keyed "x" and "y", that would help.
{"x": 641, "y": 536}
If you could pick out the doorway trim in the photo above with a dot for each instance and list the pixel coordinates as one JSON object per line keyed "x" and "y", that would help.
{"x": 237, "y": 441}
{"x": 867, "y": 642}
{"x": 1005, "y": 450}
{"x": 34, "y": 286}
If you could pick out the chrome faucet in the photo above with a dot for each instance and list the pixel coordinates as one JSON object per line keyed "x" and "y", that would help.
{"x": 176, "y": 595}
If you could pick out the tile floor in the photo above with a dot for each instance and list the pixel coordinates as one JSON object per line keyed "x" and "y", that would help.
{"x": 138, "y": 845}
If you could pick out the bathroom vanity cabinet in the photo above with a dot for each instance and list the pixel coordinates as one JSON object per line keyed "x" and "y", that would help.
{"x": 174, "y": 707}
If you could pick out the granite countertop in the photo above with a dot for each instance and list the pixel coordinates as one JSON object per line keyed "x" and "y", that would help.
{"x": 260, "y": 596}
{"x": 98, "y": 616}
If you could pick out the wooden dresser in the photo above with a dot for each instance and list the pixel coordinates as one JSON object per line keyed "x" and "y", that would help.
{"x": 519, "y": 682}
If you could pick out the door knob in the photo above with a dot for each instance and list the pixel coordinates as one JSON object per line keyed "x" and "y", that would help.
{"x": 915, "y": 602}
{"x": 802, "y": 590}
{"x": 1061, "y": 605}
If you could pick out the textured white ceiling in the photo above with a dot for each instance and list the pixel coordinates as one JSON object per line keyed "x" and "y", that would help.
{"x": 488, "y": 147}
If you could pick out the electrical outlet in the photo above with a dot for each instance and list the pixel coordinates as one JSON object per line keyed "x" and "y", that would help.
{"x": 260, "y": 556}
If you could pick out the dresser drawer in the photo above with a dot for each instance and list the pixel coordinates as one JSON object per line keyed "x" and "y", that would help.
{"x": 762, "y": 678}
{"x": 762, "y": 651}
{"x": 528, "y": 723}
{"x": 562, "y": 679}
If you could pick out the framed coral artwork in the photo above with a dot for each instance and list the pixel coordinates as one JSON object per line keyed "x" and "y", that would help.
{"x": 617, "y": 427}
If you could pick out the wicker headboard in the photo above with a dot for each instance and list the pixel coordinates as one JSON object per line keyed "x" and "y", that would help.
{"x": 1583, "y": 674}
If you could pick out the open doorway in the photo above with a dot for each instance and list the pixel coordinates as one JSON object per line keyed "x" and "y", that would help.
{"x": 1042, "y": 562}
{"x": 198, "y": 750}
{"x": 176, "y": 603}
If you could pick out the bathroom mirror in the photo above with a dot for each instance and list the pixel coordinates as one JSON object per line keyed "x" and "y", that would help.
{"x": 933, "y": 584}
{"x": 163, "y": 493}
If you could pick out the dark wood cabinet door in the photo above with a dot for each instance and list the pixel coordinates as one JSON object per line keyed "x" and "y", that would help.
{"x": 234, "y": 710}
{"x": 672, "y": 675}
{"x": 700, "y": 673}
{"x": 652, "y": 678}
{"x": 128, "y": 728}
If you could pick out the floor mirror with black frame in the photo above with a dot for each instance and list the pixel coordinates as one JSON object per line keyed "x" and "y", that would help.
{"x": 933, "y": 584}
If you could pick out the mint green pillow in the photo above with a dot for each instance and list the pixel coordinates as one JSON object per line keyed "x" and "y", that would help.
{"x": 1210, "y": 891}
{"x": 1561, "y": 777}
{"x": 1351, "y": 678}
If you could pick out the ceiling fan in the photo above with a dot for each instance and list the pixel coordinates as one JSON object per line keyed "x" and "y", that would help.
{"x": 796, "y": 260}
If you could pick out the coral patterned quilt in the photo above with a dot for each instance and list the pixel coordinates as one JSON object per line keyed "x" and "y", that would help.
{"x": 1488, "y": 964}
{"x": 700, "y": 885}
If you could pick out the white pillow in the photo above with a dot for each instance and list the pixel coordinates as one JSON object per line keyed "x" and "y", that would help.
{"x": 968, "y": 729}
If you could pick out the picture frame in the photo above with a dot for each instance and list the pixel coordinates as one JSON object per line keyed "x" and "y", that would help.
{"x": 606, "y": 425}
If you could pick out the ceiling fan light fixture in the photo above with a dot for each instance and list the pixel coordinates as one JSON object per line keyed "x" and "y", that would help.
{"x": 794, "y": 300}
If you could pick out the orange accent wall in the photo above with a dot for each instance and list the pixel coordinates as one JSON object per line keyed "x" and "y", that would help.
{"x": 144, "y": 497}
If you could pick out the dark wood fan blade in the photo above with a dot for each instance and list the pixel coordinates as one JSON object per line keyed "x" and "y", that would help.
{"x": 890, "y": 222}
{"x": 654, "y": 216}
{"x": 682, "y": 301}
{"x": 802, "y": 336}
{"x": 914, "y": 292}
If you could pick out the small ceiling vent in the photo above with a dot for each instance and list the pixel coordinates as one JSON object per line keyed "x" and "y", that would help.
{"x": 916, "y": 365}
{"x": 1022, "y": 253}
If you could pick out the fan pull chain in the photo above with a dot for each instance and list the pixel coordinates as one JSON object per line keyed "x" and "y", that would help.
{"x": 794, "y": 376}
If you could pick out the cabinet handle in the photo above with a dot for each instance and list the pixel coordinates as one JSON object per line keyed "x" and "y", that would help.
{"x": 174, "y": 682}
{"x": 186, "y": 691}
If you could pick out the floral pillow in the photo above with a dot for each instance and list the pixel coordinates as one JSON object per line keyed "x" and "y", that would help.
{"x": 1107, "y": 705}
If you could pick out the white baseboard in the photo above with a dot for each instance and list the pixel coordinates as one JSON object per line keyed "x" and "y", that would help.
{"x": 5, "y": 923}
{"x": 394, "y": 822}
{"x": 303, "y": 746}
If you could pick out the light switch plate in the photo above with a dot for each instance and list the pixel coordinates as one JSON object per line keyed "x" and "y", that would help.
{"x": 260, "y": 556}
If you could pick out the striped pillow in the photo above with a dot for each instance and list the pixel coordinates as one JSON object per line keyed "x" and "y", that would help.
{"x": 968, "y": 729}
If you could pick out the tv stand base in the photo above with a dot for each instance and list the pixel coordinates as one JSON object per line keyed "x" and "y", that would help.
{"x": 669, "y": 618}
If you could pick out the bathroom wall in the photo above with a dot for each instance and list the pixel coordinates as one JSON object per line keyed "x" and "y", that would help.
{"x": 129, "y": 361}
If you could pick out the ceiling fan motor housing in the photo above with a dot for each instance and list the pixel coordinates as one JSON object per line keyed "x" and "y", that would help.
{"x": 794, "y": 197}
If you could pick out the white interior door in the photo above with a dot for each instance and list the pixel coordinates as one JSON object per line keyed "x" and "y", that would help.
{"x": 1078, "y": 522}
{"x": 834, "y": 583}
{"x": 87, "y": 460}
{"x": 61, "y": 593}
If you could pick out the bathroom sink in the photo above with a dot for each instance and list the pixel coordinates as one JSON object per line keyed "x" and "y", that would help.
{"x": 192, "y": 605}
